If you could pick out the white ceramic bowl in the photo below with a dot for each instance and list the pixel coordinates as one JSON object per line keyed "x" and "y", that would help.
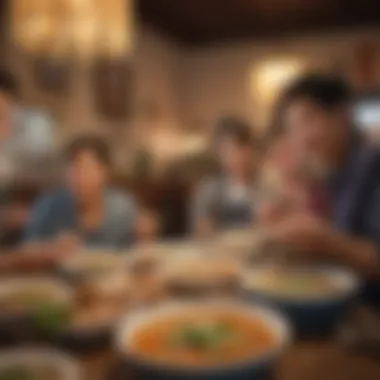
{"x": 60, "y": 291}
{"x": 256, "y": 365}
{"x": 345, "y": 281}
{"x": 312, "y": 314}
{"x": 66, "y": 367}
{"x": 80, "y": 264}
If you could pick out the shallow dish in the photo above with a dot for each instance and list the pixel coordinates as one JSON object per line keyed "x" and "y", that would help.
{"x": 92, "y": 264}
{"x": 19, "y": 296}
{"x": 189, "y": 275}
{"x": 242, "y": 243}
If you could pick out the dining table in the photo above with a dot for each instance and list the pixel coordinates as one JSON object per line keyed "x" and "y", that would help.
{"x": 315, "y": 359}
{"x": 319, "y": 358}
{"x": 325, "y": 357}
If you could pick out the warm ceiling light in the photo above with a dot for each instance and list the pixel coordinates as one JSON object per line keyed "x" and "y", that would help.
{"x": 271, "y": 76}
{"x": 267, "y": 81}
{"x": 80, "y": 27}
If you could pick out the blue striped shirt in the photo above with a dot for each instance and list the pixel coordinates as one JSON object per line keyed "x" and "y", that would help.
{"x": 355, "y": 195}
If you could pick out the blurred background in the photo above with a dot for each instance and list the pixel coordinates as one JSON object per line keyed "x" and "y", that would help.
{"x": 153, "y": 77}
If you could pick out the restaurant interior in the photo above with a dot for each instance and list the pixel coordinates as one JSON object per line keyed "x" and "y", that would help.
{"x": 152, "y": 79}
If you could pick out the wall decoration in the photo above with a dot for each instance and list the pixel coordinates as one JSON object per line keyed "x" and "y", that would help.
{"x": 338, "y": 66}
{"x": 365, "y": 63}
{"x": 149, "y": 111}
{"x": 52, "y": 75}
{"x": 113, "y": 83}
{"x": 80, "y": 28}
{"x": 267, "y": 79}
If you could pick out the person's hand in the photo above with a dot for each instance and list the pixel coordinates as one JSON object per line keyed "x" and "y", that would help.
{"x": 273, "y": 212}
{"x": 147, "y": 226}
{"x": 268, "y": 213}
{"x": 302, "y": 232}
{"x": 66, "y": 244}
{"x": 49, "y": 254}
{"x": 204, "y": 228}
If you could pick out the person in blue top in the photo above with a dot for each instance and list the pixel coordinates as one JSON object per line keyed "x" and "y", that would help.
{"x": 86, "y": 212}
{"x": 87, "y": 207}
{"x": 315, "y": 114}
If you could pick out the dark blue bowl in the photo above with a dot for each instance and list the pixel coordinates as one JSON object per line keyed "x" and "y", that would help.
{"x": 83, "y": 341}
{"x": 264, "y": 371}
{"x": 313, "y": 315}
{"x": 258, "y": 368}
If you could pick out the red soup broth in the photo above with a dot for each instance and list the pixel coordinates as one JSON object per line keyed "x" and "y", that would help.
{"x": 249, "y": 338}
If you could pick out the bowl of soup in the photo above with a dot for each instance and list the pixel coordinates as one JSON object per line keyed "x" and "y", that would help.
{"x": 203, "y": 340}
{"x": 23, "y": 299}
{"x": 313, "y": 298}
{"x": 37, "y": 364}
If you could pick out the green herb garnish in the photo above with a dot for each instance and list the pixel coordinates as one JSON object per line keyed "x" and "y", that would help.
{"x": 202, "y": 336}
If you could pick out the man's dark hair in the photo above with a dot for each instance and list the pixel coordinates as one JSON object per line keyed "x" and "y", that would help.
{"x": 8, "y": 83}
{"x": 93, "y": 144}
{"x": 326, "y": 91}
{"x": 236, "y": 129}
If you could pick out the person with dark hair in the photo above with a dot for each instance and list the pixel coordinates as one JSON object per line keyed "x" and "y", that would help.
{"x": 8, "y": 154}
{"x": 87, "y": 208}
{"x": 315, "y": 117}
{"x": 226, "y": 201}
{"x": 7, "y": 92}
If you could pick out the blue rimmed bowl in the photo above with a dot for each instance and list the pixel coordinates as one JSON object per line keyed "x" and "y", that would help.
{"x": 310, "y": 313}
{"x": 259, "y": 367}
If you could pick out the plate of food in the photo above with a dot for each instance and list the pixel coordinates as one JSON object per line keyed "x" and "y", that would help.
{"x": 147, "y": 258}
{"x": 49, "y": 309}
{"x": 98, "y": 305}
{"x": 37, "y": 364}
{"x": 204, "y": 340}
{"x": 201, "y": 274}
{"x": 242, "y": 243}
{"x": 22, "y": 299}
{"x": 92, "y": 264}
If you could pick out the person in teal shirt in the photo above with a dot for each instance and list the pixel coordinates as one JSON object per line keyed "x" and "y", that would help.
{"x": 87, "y": 207}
